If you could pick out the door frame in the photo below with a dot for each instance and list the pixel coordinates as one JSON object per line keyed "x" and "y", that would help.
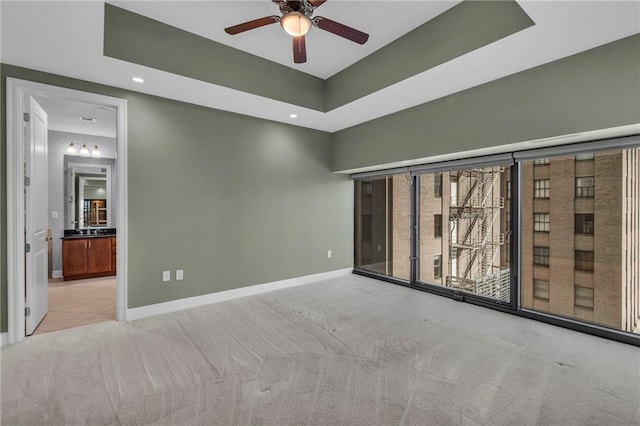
{"x": 17, "y": 90}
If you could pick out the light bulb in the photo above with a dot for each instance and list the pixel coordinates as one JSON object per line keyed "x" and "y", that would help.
{"x": 96, "y": 151}
{"x": 295, "y": 24}
{"x": 71, "y": 149}
{"x": 84, "y": 150}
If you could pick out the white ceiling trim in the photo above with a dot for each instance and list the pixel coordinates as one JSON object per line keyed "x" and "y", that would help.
{"x": 66, "y": 38}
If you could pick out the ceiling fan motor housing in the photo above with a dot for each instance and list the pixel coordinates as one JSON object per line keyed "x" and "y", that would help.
{"x": 295, "y": 6}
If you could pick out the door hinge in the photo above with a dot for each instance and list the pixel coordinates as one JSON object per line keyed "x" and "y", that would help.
{"x": 26, "y": 117}
{"x": 27, "y": 248}
{"x": 27, "y": 181}
{"x": 27, "y": 312}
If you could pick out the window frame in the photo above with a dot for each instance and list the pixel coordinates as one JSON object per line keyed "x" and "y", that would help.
{"x": 437, "y": 185}
{"x": 437, "y": 266}
{"x": 544, "y": 224}
{"x": 540, "y": 191}
{"x": 577, "y": 297}
{"x": 536, "y": 287}
{"x": 543, "y": 161}
{"x": 582, "y": 259}
{"x": 437, "y": 225}
{"x": 584, "y": 224}
{"x": 540, "y": 256}
{"x": 584, "y": 191}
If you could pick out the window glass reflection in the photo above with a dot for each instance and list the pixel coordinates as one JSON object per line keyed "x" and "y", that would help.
{"x": 382, "y": 226}
{"x": 580, "y": 240}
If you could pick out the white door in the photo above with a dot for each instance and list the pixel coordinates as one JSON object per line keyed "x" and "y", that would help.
{"x": 36, "y": 217}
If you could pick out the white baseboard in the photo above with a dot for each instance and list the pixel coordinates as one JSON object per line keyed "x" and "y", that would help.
{"x": 4, "y": 338}
{"x": 205, "y": 299}
{"x": 56, "y": 274}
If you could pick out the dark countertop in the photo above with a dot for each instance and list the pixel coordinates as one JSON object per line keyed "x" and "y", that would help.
{"x": 75, "y": 234}
{"x": 83, "y": 236}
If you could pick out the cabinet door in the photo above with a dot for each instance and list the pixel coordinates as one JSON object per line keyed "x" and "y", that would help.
{"x": 99, "y": 255}
{"x": 74, "y": 257}
{"x": 114, "y": 259}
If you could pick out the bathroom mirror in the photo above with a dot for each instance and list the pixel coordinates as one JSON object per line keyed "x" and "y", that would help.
{"x": 88, "y": 196}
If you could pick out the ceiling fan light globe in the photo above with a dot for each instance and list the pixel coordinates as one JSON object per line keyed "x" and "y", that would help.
{"x": 295, "y": 24}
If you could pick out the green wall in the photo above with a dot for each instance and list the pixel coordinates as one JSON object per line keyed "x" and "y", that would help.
{"x": 596, "y": 89}
{"x": 232, "y": 200}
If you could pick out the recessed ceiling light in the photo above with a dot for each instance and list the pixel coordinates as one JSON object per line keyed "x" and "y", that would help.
{"x": 137, "y": 79}
{"x": 91, "y": 119}
{"x": 293, "y": 115}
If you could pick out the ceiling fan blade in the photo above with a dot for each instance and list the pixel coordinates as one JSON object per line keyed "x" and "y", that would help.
{"x": 316, "y": 3}
{"x": 250, "y": 25}
{"x": 299, "y": 50}
{"x": 341, "y": 30}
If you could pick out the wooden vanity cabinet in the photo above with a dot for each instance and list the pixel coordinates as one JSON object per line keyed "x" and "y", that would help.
{"x": 88, "y": 258}
{"x": 74, "y": 258}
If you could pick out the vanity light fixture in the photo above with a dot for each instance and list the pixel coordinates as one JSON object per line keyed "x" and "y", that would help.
{"x": 84, "y": 150}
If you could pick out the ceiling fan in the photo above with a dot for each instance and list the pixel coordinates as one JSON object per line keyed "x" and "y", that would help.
{"x": 297, "y": 19}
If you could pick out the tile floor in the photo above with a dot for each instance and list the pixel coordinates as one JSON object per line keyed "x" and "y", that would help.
{"x": 81, "y": 302}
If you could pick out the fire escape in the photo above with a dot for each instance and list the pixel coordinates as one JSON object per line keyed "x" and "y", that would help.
{"x": 475, "y": 238}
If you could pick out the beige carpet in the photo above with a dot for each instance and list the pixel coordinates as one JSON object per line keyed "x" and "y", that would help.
{"x": 80, "y": 302}
{"x": 346, "y": 351}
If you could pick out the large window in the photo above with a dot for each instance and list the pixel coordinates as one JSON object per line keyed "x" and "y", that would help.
{"x": 454, "y": 231}
{"x": 382, "y": 226}
{"x": 591, "y": 254}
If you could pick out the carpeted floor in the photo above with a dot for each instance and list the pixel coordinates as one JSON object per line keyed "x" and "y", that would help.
{"x": 346, "y": 351}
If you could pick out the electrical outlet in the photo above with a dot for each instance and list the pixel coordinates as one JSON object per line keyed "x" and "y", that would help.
{"x": 54, "y": 215}
{"x": 166, "y": 275}
{"x": 179, "y": 274}
{"x": 329, "y": 254}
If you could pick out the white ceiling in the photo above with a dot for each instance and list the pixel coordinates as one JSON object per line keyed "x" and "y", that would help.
{"x": 63, "y": 116}
{"x": 65, "y": 37}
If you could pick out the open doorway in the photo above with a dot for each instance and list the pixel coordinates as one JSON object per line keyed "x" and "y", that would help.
{"x": 82, "y": 227}
{"x": 50, "y": 206}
